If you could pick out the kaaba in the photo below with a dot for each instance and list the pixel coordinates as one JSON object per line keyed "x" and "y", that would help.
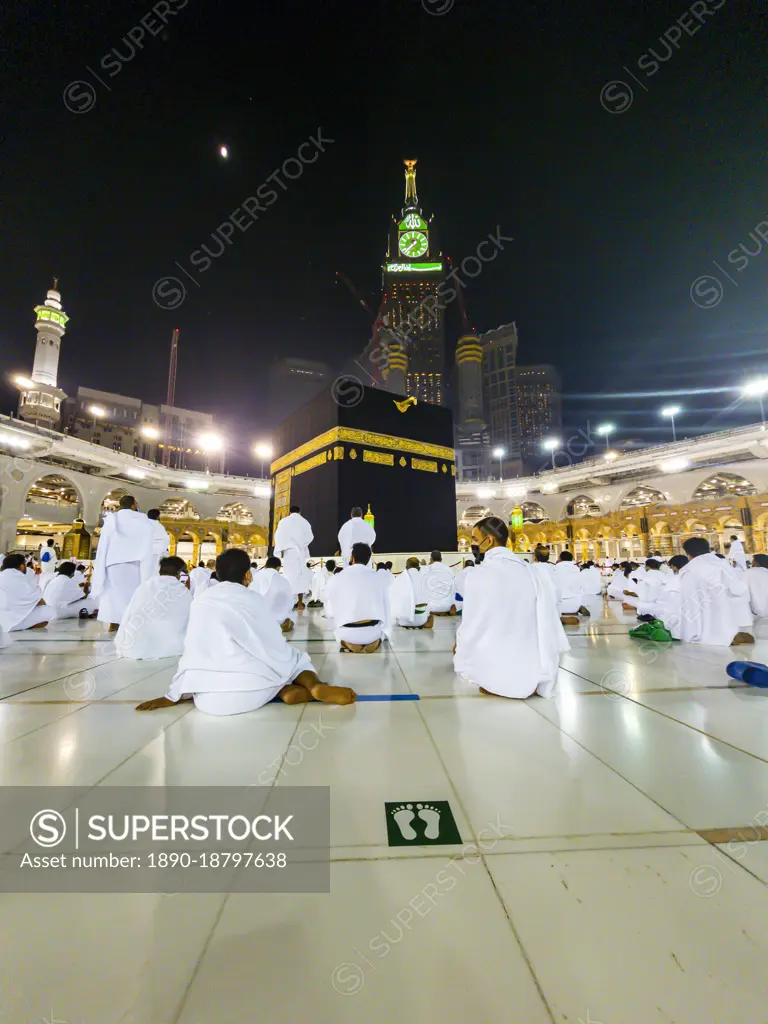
{"x": 360, "y": 446}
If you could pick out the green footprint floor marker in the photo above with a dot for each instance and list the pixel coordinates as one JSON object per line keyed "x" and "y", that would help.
{"x": 421, "y": 823}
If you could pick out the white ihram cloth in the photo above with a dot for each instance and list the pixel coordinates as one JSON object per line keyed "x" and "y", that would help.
{"x": 570, "y": 588}
{"x": 20, "y": 597}
{"x": 321, "y": 576}
{"x": 276, "y": 591}
{"x": 155, "y": 620}
{"x": 459, "y": 584}
{"x": 710, "y": 607}
{"x": 666, "y": 604}
{"x": 618, "y": 585}
{"x": 292, "y": 539}
{"x": 510, "y": 638}
{"x": 48, "y": 560}
{"x": 360, "y": 596}
{"x": 408, "y": 604}
{"x": 66, "y": 597}
{"x": 757, "y": 581}
{"x": 592, "y": 580}
{"x": 161, "y": 544}
{"x": 736, "y": 554}
{"x": 648, "y": 591}
{"x": 235, "y": 657}
{"x": 199, "y": 576}
{"x": 124, "y": 558}
{"x": 203, "y": 585}
{"x": 355, "y": 531}
{"x": 439, "y": 586}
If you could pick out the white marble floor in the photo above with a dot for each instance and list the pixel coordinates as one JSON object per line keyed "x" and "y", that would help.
{"x": 593, "y": 896}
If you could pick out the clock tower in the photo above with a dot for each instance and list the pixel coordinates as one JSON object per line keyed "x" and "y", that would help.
{"x": 413, "y": 321}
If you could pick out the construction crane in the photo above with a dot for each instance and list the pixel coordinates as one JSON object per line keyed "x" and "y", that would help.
{"x": 462, "y": 307}
{"x": 378, "y": 323}
{"x": 171, "y": 397}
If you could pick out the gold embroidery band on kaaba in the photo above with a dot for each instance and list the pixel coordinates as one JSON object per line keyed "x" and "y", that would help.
{"x": 363, "y": 437}
{"x": 380, "y": 458}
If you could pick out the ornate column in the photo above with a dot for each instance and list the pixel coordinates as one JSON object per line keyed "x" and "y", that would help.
{"x": 745, "y": 512}
{"x": 644, "y": 534}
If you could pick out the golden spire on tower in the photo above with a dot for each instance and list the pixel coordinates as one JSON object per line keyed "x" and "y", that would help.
{"x": 411, "y": 199}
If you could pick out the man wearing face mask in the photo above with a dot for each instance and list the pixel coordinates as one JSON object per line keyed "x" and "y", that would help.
{"x": 510, "y": 639}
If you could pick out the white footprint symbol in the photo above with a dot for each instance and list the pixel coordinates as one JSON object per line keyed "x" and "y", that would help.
{"x": 431, "y": 816}
{"x": 403, "y": 816}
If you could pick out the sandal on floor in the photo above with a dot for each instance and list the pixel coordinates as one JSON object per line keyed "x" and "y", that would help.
{"x": 750, "y": 672}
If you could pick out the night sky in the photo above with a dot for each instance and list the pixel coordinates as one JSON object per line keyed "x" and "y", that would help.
{"x": 614, "y": 214}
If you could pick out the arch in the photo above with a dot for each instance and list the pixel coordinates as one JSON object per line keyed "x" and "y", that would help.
{"x": 723, "y": 485}
{"x": 582, "y": 506}
{"x": 178, "y": 508}
{"x": 111, "y": 501}
{"x": 641, "y": 495}
{"x": 235, "y": 512}
{"x": 534, "y": 513}
{"x": 522, "y": 543}
{"x": 56, "y": 489}
{"x": 473, "y": 515}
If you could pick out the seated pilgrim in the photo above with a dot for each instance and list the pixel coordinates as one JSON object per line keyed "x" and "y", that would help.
{"x": 276, "y": 591}
{"x": 757, "y": 581}
{"x": 21, "y": 602}
{"x": 712, "y": 597}
{"x": 235, "y": 658}
{"x": 663, "y": 603}
{"x": 649, "y": 587}
{"x": 570, "y": 589}
{"x": 408, "y": 603}
{"x": 439, "y": 586}
{"x": 156, "y": 619}
{"x": 360, "y": 604}
{"x": 66, "y": 596}
{"x": 592, "y": 579}
{"x": 320, "y": 576}
{"x": 200, "y": 574}
{"x": 460, "y": 582}
{"x": 510, "y": 638}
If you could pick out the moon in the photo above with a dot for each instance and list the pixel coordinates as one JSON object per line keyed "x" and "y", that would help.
{"x": 223, "y": 152}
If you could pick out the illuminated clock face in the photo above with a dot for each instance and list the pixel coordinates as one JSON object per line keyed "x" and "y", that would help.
{"x": 413, "y": 244}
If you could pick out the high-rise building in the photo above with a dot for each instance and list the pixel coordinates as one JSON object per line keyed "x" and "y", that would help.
{"x": 539, "y": 408}
{"x": 294, "y": 382}
{"x": 500, "y": 394}
{"x": 413, "y": 322}
{"x": 39, "y": 396}
{"x": 472, "y": 436}
{"x": 129, "y": 425}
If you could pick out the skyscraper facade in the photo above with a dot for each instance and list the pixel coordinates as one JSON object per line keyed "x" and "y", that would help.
{"x": 413, "y": 328}
{"x": 539, "y": 408}
{"x": 500, "y": 393}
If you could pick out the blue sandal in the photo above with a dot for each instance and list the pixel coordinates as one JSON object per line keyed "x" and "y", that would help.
{"x": 750, "y": 672}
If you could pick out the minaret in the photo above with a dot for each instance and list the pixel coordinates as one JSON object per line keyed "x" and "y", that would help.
{"x": 469, "y": 360}
{"x": 40, "y": 398}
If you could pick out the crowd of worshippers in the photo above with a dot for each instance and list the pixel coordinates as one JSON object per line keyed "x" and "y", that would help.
{"x": 701, "y": 596}
{"x": 228, "y": 622}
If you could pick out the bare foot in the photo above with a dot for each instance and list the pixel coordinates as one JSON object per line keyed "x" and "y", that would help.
{"x": 287, "y": 625}
{"x": 488, "y": 692}
{"x": 453, "y": 610}
{"x": 294, "y": 694}
{"x": 333, "y": 694}
{"x": 429, "y": 624}
{"x": 570, "y": 620}
{"x": 39, "y": 625}
{"x": 160, "y": 702}
{"x": 113, "y": 627}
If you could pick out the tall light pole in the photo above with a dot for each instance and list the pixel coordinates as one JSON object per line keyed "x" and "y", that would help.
{"x": 551, "y": 444}
{"x": 262, "y": 451}
{"x": 757, "y": 388}
{"x": 499, "y": 453}
{"x": 669, "y": 412}
{"x": 605, "y": 430}
{"x": 98, "y": 413}
{"x": 210, "y": 443}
